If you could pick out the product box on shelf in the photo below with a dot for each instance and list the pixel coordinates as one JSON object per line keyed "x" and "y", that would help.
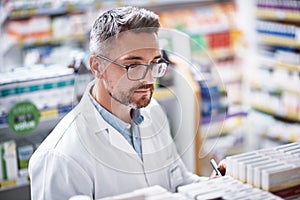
{"x": 9, "y": 165}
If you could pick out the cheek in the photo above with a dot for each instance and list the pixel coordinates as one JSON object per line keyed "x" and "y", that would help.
{"x": 114, "y": 78}
{"x": 118, "y": 81}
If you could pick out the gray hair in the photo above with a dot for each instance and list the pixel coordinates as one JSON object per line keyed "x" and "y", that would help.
{"x": 108, "y": 25}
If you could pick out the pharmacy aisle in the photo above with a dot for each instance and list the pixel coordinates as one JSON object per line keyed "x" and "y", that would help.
{"x": 232, "y": 87}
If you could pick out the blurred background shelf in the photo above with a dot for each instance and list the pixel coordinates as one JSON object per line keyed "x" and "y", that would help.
{"x": 278, "y": 40}
{"x": 290, "y": 116}
{"x": 278, "y": 14}
{"x": 273, "y": 80}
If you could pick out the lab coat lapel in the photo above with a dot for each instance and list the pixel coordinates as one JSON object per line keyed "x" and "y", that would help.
{"x": 118, "y": 141}
{"x": 100, "y": 126}
{"x": 156, "y": 145}
{"x": 153, "y": 151}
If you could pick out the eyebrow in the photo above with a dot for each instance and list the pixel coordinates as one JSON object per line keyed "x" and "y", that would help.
{"x": 140, "y": 58}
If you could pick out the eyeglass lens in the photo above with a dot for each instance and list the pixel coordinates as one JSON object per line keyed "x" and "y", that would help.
{"x": 139, "y": 71}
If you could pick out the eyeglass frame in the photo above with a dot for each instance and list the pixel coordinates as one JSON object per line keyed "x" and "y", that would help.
{"x": 128, "y": 66}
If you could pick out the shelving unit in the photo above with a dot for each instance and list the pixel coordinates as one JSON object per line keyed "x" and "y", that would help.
{"x": 218, "y": 70}
{"x": 274, "y": 90}
{"x": 23, "y": 37}
{"x": 30, "y": 11}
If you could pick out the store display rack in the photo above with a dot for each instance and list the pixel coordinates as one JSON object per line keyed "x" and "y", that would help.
{"x": 274, "y": 90}
{"x": 21, "y": 13}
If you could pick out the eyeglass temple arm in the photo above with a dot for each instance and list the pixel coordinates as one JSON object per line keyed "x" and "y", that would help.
{"x": 109, "y": 60}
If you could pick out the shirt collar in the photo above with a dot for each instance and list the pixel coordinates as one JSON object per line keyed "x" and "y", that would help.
{"x": 136, "y": 116}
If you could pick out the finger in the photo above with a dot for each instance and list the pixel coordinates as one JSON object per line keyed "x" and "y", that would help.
{"x": 222, "y": 167}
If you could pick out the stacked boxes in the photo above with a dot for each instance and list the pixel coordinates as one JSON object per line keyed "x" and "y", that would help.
{"x": 224, "y": 187}
{"x": 14, "y": 160}
{"x": 273, "y": 169}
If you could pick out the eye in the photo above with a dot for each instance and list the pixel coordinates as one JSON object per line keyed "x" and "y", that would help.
{"x": 129, "y": 63}
{"x": 133, "y": 65}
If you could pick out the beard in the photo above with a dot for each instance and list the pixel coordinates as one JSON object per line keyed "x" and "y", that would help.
{"x": 132, "y": 100}
{"x": 144, "y": 100}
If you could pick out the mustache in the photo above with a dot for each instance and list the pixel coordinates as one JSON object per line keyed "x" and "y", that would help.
{"x": 145, "y": 86}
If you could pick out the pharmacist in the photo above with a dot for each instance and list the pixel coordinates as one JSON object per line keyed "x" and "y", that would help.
{"x": 117, "y": 139}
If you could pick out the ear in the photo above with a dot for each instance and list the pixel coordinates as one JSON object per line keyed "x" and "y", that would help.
{"x": 95, "y": 66}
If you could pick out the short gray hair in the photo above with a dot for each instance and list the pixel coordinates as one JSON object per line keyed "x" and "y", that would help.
{"x": 112, "y": 22}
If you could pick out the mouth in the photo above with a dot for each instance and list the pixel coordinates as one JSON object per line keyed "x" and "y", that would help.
{"x": 144, "y": 89}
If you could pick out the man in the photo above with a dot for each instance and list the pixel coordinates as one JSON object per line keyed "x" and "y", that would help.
{"x": 116, "y": 139}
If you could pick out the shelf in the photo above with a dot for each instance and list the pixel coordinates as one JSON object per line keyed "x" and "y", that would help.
{"x": 289, "y": 138}
{"x": 287, "y": 66}
{"x": 45, "y": 115}
{"x": 15, "y": 183}
{"x": 277, "y": 14}
{"x": 153, "y": 5}
{"x": 276, "y": 64}
{"x": 271, "y": 89}
{"x": 33, "y": 11}
{"x": 222, "y": 53}
{"x": 268, "y": 127}
{"x": 36, "y": 42}
{"x": 289, "y": 116}
{"x": 278, "y": 130}
{"x": 282, "y": 65}
{"x": 156, "y": 5}
{"x": 222, "y": 117}
{"x": 278, "y": 40}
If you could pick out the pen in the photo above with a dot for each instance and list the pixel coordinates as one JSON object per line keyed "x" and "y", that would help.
{"x": 215, "y": 166}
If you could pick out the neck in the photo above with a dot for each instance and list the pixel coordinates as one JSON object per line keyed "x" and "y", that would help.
{"x": 102, "y": 96}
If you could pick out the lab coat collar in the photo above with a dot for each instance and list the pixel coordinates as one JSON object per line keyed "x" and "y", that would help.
{"x": 99, "y": 126}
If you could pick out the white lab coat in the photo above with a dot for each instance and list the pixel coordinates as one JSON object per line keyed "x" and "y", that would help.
{"x": 85, "y": 155}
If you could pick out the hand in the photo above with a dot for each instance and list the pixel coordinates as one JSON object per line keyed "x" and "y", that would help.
{"x": 222, "y": 168}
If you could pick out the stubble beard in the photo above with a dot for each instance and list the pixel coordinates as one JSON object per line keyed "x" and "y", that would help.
{"x": 130, "y": 100}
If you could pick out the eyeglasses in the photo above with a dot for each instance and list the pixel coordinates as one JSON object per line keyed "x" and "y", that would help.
{"x": 137, "y": 72}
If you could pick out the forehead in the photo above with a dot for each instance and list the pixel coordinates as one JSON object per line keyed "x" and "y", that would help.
{"x": 130, "y": 43}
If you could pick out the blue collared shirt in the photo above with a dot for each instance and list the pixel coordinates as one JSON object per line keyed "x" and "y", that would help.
{"x": 130, "y": 132}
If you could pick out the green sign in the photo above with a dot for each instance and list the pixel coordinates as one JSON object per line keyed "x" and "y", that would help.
{"x": 23, "y": 117}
